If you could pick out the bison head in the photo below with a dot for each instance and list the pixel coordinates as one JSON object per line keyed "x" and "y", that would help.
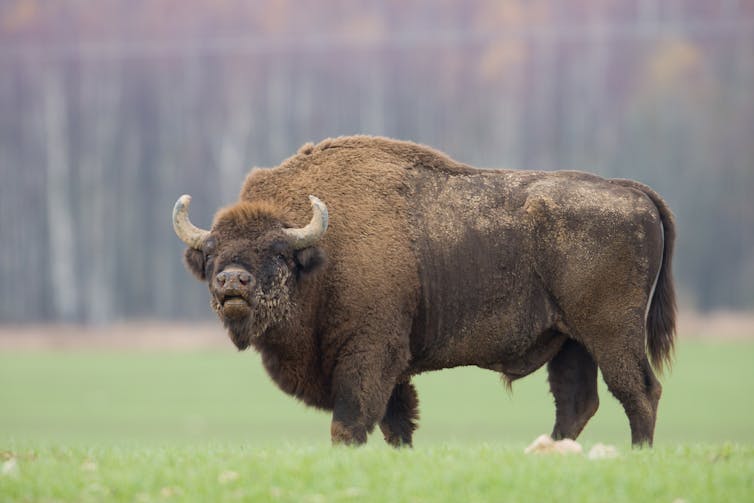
{"x": 252, "y": 261}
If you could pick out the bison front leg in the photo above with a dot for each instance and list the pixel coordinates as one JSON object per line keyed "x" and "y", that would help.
{"x": 358, "y": 405}
{"x": 350, "y": 425}
{"x": 362, "y": 385}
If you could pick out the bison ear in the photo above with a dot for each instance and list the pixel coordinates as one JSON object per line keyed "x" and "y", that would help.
{"x": 194, "y": 260}
{"x": 309, "y": 259}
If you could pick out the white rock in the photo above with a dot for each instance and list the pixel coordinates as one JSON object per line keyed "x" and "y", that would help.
{"x": 544, "y": 445}
{"x": 541, "y": 444}
{"x": 227, "y": 476}
{"x": 602, "y": 451}
{"x": 10, "y": 468}
{"x": 89, "y": 466}
{"x": 568, "y": 446}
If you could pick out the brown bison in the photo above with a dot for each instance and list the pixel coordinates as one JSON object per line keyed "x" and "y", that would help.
{"x": 414, "y": 262}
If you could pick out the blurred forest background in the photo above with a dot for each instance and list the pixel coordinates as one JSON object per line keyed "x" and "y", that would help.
{"x": 110, "y": 110}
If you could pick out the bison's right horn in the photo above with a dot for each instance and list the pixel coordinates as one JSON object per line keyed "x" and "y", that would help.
{"x": 190, "y": 234}
{"x": 307, "y": 236}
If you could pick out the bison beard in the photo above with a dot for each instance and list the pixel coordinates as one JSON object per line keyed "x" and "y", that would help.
{"x": 432, "y": 264}
{"x": 266, "y": 309}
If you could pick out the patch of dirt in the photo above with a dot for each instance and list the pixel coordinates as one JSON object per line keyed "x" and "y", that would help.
{"x": 149, "y": 336}
{"x": 138, "y": 336}
{"x": 717, "y": 325}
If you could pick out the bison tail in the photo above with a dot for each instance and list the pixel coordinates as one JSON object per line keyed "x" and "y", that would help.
{"x": 661, "y": 314}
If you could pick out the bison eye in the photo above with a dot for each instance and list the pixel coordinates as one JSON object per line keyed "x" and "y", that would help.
{"x": 208, "y": 264}
{"x": 209, "y": 246}
{"x": 285, "y": 261}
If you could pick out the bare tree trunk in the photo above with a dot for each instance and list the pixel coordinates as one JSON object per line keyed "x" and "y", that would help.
{"x": 65, "y": 296}
{"x": 229, "y": 145}
{"x": 372, "y": 80}
{"x": 277, "y": 100}
{"x": 101, "y": 89}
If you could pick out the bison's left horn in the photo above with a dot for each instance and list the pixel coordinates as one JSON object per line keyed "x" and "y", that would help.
{"x": 190, "y": 234}
{"x": 307, "y": 236}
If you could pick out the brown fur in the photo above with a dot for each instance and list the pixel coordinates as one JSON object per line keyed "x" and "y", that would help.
{"x": 662, "y": 311}
{"x": 430, "y": 264}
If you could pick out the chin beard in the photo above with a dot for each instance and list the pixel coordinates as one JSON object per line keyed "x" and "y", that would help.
{"x": 242, "y": 332}
{"x": 264, "y": 314}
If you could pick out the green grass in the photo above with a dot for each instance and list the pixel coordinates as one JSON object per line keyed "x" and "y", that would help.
{"x": 376, "y": 473}
{"x": 209, "y": 426}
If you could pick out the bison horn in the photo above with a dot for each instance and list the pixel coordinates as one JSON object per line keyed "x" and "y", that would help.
{"x": 307, "y": 236}
{"x": 190, "y": 234}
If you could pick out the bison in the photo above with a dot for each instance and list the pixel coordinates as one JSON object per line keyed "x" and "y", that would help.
{"x": 408, "y": 261}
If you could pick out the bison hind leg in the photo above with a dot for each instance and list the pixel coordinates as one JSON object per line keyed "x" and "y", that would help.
{"x": 634, "y": 384}
{"x": 573, "y": 383}
{"x": 401, "y": 415}
{"x": 620, "y": 351}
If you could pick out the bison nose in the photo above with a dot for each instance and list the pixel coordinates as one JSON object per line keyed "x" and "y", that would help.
{"x": 233, "y": 279}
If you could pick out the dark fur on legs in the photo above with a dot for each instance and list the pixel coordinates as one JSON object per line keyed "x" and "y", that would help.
{"x": 638, "y": 390}
{"x": 573, "y": 383}
{"x": 401, "y": 415}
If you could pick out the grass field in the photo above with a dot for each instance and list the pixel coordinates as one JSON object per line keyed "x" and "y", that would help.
{"x": 208, "y": 425}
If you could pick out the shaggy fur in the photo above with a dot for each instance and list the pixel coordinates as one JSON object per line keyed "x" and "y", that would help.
{"x": 429, "y": 264}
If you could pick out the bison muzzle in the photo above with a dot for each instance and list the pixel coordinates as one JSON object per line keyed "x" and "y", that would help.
{"x": 429, "y": 264}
